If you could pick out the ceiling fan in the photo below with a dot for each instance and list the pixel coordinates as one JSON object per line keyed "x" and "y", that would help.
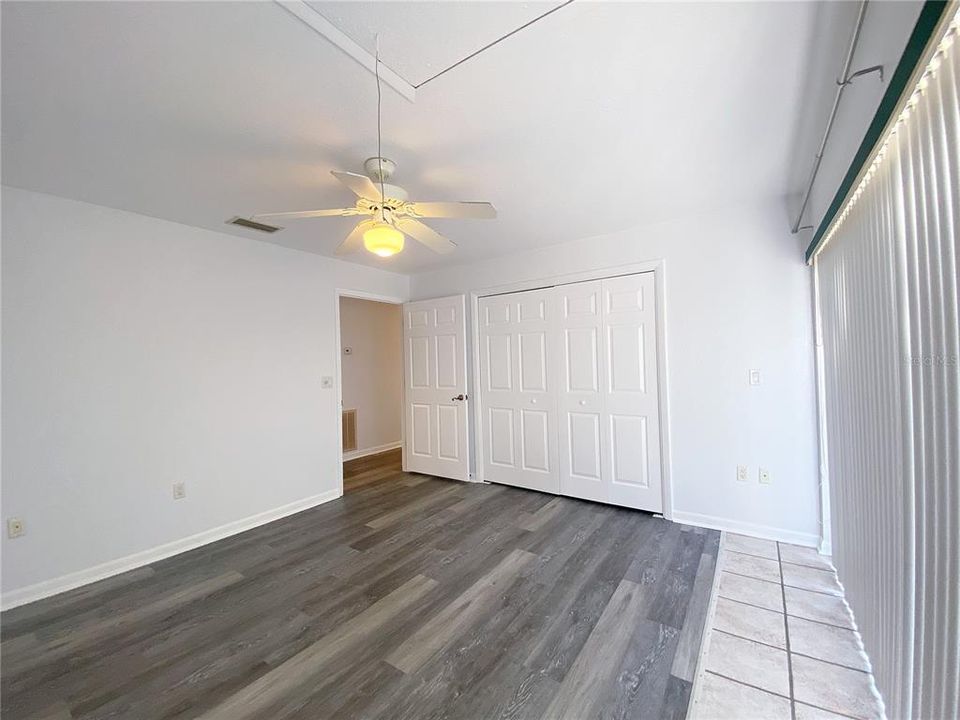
{"x": 391, "y": 214}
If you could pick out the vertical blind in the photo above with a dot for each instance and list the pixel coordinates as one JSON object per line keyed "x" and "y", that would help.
{"x": 887, "y": 296}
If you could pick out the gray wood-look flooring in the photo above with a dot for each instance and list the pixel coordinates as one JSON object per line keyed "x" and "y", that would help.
{"x": 410, "y": 597}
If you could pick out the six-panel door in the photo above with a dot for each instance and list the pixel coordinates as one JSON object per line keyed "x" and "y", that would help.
{"x": 519, "y": 396}
{"x": 435, "y": 387}
{"x": 631, "y": 417}
{"x": 596, "y": 398}
{"x": 580, "y": 366}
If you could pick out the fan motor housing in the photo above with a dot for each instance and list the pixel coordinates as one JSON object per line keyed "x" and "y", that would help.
{"x": 371, "y": 166}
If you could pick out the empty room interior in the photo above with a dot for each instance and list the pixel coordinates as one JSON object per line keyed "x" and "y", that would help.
{"x": 477, "y": 360}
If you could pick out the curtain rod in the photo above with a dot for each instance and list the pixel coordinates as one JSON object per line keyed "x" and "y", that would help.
{"x": 931, "y": 15}
{"x": 847, "y": 78}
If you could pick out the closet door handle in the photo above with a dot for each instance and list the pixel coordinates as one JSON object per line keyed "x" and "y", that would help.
{"x": 461, "y": 396}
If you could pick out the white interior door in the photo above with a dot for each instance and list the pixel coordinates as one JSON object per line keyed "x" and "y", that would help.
{"x": 435, "y": 387}
{"x": 517, "y": 390}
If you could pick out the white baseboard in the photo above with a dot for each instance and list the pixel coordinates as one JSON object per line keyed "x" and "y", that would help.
{"x": 761, "y": 531}
{"x": 354, "y": 454}
{"x": 55, "y": 586}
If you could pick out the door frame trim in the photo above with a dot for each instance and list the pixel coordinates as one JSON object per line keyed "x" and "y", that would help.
{"x": 658, "y": 268}
{"x": 337, "y": 377}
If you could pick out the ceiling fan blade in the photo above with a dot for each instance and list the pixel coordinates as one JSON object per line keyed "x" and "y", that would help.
{"x": 478, "y": 210}
{"x": 354, "y": 240}
{"x": 426, "y": 235}
{"x": 359, "y": 184}
{"x": 310, "y": 213}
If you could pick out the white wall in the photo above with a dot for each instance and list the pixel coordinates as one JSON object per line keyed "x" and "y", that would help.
{"x": 139, "y": 352}
{"x": 372, "y": 374}
{"x": 738, "y": 297}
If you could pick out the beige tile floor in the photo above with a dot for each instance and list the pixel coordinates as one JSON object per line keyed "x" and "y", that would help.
{"x": 781, "y": 642}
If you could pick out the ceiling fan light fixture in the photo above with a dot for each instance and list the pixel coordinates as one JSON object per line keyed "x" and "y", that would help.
{"x": 383, "y": 239}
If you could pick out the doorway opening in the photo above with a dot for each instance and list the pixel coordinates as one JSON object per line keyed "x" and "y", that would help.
{"x": 370, "y": 374}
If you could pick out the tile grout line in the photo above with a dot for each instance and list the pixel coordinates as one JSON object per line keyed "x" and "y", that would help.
{"x": 772, "y": 582}
{"x": 834, "y": 664}
{"x": 786, "y": 633}
{"x": 776, "y": 694}
{"x": 798, "y": 617}
{"x": 762, "y": 557}
{"x": 758, "y": 642}
{"x": 750, "y": 604}
{"x": 793, "y": 652}
{"x": 746, "y": 684}
{"x": 795, "y": 587}
{"x": 789, "y": 562}
{"x": 832, "y": 570}
{"x": 822, "y": 622}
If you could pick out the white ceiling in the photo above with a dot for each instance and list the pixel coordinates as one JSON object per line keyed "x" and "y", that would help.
{"x": 600, "y": 117}
{"x": 419, "y": 39}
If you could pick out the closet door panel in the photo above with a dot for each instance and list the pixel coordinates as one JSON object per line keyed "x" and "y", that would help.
{"x": 580, "y": 365}
{"x": 517, "y": 390}
{"x": 632, "y": 470}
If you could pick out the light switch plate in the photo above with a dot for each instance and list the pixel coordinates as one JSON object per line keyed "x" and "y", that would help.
{"x": 15, "y": 527}
{"x": 179, "y": 490}
{"x": 764, "y": 476}
{"x": 754, "y": 377}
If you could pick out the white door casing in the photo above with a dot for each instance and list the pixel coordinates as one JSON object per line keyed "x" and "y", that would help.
{"x": 435, "y": 387}
{"x": 518, "y": 390}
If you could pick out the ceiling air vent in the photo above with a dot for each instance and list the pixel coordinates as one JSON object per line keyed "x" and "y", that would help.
{"x": 253, "y": 225}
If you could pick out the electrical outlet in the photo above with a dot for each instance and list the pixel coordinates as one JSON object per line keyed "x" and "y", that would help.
{"x": 742, "y": 473}
{"x": 15, "y": 527}
{"x": 179, "y": 490}
{"x": 764, "y": 476}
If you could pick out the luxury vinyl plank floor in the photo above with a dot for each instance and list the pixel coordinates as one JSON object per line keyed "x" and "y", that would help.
{"x": 410, "y": 597}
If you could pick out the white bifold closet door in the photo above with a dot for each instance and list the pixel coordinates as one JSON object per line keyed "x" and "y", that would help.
{"x": 518, "y": 395}
{"x": 569, "y": 391}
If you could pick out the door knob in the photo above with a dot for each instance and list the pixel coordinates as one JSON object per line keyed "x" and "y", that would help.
{"x": 583, "y": 402}
{"x": 461, "y": 396}
{"x": 534, "y": 401}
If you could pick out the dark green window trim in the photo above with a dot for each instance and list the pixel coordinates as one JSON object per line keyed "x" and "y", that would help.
{"x": 929, "y": 18}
